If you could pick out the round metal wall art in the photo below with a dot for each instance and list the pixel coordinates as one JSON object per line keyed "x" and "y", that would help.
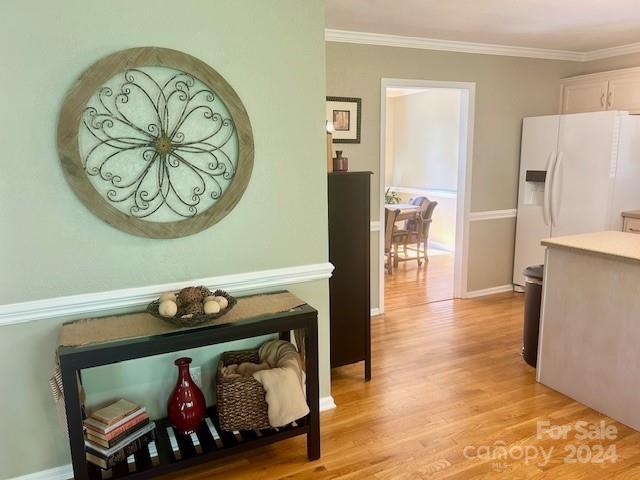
{"x": 155, "y": 142}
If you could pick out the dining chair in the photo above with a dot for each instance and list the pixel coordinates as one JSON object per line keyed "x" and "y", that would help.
{"x": 421, "y": 202}
{"x": 419, "y": 231}
{"x": 401, "y": 236}
{"x": 390, "y": 217}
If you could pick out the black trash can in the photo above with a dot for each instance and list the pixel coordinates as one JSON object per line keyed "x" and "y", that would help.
{"x": 532, "y": 300}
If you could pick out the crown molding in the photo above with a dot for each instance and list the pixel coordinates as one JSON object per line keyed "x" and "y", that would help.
{"x": 87, "y": 304}
{"x": 612, "y": 52}
{"x": 347, "y": 36}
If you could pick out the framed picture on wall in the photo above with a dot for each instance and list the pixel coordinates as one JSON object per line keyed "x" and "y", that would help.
{"x": 343, "y": 119}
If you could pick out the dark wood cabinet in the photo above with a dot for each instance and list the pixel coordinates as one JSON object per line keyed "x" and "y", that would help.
{"x": 350, "y": 285}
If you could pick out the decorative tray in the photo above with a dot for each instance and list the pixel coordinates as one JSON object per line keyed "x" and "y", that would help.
{"x": 183, "y": 318}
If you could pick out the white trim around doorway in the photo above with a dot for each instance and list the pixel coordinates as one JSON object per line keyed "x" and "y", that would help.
{"x": 467, "y": 117}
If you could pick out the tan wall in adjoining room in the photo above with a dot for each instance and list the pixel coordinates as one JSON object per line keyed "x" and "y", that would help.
{"x": 426, "y": 131}
{"x": 507, "y": 89}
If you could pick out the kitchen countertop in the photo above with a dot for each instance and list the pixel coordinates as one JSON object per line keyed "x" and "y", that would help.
{"x": 611, "y": 244}
{"x": 631, "y": 214}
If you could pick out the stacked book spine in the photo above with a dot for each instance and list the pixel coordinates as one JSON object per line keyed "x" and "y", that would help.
{"x": 115, "y": 432}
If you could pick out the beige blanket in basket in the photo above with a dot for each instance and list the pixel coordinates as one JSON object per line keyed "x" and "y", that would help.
{"x": 284, "y": 382}
{"x": 281, "y": 375}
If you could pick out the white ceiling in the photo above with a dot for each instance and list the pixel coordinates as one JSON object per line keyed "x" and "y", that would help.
{"x": 575, "y": 25}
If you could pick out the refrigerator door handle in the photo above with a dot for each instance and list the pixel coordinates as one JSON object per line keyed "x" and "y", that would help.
{"x": 553, "y": 201}
{"x": 546, "y": 207}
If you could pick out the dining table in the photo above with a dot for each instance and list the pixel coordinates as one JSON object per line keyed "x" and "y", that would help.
{"x": 407, "y": 210}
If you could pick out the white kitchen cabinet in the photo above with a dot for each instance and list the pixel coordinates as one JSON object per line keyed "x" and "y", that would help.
{"x": 631, "y": 221}
{"x": 612, "y": 90}
{"x": 584, "y": 96}
{"x": 624, "y": 93}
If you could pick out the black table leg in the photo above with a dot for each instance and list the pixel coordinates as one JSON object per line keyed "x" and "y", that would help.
{"x": 313, "y": 390}
{"x": 74, "y": 420}
{"x": 285, "y": 336}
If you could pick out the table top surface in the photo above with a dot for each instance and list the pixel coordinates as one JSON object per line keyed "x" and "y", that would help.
{"x": 402, "y": 207}
{"x": 94, "y": 333}
{"x": 622, "y": 245}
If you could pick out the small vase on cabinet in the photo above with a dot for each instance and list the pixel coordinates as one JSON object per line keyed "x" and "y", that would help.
{"x": 186, "y": 407}
{"x": 340, "y": 163}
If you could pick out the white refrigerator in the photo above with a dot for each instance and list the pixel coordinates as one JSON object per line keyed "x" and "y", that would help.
{"x": 578, "y": 173}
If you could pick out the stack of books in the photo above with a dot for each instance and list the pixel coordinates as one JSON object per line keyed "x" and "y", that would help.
{"x": 115, "y": 432}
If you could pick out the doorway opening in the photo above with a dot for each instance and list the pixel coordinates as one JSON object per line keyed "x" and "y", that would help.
{"x": 425, "y": 164}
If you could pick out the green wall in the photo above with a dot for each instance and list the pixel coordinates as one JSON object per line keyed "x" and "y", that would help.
{"x": 272, "y": 53}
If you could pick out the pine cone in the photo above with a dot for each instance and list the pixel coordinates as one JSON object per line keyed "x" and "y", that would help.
{"x": 190, "y": 295}
{"x": 195, "y": 308}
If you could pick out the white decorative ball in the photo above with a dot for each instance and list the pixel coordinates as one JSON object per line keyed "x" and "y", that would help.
{"x": 210, "y": 298}
{"x": 168, "y": 308}
{"x": 222, "y": 301}
{"x": 211, "y": 307}
{"x": 167, "y": 297}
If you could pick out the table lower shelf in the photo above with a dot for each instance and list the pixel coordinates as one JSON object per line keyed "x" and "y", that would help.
{"x": 171, "y": 451}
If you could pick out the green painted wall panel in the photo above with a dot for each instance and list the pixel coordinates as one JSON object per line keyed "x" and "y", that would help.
{"x": 272, "y": 53}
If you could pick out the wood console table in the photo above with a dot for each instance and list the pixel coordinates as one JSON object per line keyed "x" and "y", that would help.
{"x": 74, "y": 359}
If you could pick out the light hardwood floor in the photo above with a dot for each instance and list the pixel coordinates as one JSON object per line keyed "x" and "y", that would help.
{"x": 410, "y": 284}
{"x": 446, "y": 376}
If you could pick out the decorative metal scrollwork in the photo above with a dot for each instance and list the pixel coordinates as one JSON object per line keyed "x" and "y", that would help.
{"x": 161, "y": 144}
{"x": 155, "y": 142}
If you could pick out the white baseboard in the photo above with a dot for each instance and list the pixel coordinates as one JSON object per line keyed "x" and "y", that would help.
{"x": 441, "y": 246}
{"x": 89, "y": 304}
{"x": 66, "y": 472}
{"x": 489, "y": 291}
{"x": 375, "y": 311}
{"x": 327, "y": 403}
{"x": 59, "y": 473}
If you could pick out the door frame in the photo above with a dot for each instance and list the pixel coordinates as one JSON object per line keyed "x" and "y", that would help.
{"x": 465, "y": 160}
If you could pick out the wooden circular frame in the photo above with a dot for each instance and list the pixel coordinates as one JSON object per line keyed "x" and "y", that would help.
{"x": 69, "y": 125}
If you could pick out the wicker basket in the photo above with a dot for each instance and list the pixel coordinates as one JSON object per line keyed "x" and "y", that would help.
{"x": 241, "y": 400}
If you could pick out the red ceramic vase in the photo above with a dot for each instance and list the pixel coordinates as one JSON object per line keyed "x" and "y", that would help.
{"x": 186, "y": 407}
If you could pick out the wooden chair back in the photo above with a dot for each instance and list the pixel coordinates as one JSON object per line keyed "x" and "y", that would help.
{"x": 390, "y": 217}
{"x": 427, "y": 217}
{"x": 422, "y": 202}
{"x": 427, "y": 209}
